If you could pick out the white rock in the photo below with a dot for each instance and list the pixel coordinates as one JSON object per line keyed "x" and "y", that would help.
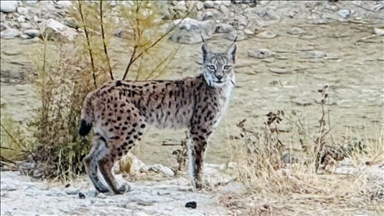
{"x": 181, "y": 6}
{"x": 209, "y": 4}
{"x": 58, "y": 28}
{"x": 224, "y": 28}
{"x": 22, "y": 19}
{"x": 218, "y": 3}
{"x": 224, "y": 9}
{"x": 266, "y": 35}
{"x": 227, "y": 3}
{"x": 31, "y": 1}
{"x": 64, "y": 4}
{"x": 22, "y": 10}
{"x": 378, "y": 31}
{"x": 199, "y": 5}
{"x": 190, "y": 30}
{"x": 32, "y": 33}
{"x": 8, "y": 6}
{"x": 10, "y": 33}
{"x": 344, "y": 13}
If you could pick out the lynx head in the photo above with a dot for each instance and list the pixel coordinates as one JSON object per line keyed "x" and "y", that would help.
{"x": 218, "y": 67}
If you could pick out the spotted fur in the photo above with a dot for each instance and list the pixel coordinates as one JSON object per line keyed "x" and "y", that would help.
{"x": 120, "y": 111}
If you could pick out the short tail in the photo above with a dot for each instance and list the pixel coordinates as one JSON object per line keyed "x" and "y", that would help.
{"x": 87, "y": 115}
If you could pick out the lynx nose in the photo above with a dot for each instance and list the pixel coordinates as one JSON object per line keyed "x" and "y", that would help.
{"x": 219, "y": 77}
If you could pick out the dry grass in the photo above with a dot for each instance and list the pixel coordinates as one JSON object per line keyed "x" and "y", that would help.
{"x": 283, "y": 178}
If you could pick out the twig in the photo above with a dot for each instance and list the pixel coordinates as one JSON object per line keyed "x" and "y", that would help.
{"x": 133, "y": 59}
{"x": 103, "y": 37}
{"x": 88, "y": 43}
{"x": 9, "y": 135}
{"x": 368, "y": 37}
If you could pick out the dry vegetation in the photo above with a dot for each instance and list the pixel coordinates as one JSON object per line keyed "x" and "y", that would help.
{"x": 68, "y": 70}
{"x": 285, "y": 178}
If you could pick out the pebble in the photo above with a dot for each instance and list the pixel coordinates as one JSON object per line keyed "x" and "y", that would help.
{"x": 266, "y": 35}
{"x": 344, "y": 13}
{"x": 378, "y": 31}
{"x": 224, "y": 28}
{"x": 296, "y": 31}
{"x": 280, "y": 70}
{"x": 314, "y": 54}
{"x": 238, "y": 34}
{"x": 260, "y": 54}
{"x": 22, "y": 10}
{"x": 192, "y": 205}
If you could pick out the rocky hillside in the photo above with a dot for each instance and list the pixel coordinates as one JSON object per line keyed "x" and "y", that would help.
{"x": 242, "y": 18}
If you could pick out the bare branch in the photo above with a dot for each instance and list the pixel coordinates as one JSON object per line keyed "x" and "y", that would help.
{"x": 133, "y": 58}
{"x": 88, "y": 42}
{"x": 103, "y": 37}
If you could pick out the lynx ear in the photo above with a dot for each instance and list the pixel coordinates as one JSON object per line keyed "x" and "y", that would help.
{"x": 205, "y": 50}
{"x": 232, "y": 52}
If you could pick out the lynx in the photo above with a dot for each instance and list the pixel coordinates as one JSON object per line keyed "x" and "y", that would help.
{"x": 120, "y": 111}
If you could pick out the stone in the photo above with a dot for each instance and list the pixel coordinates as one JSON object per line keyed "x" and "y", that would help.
{"x": 314, "y": 54}
{"x": 22, "y": 10}
{"x": 296, "y": 31}
{"x": 224, "y": 28}
{"x": 378, "y": 31}
{"x": 238, "y": 34}
{"x": 199, "y": 5}
{"x": 64, "y": 4}
{"x": 158, "y": 168}
{"x": 209, "y": 4}
{"x": 280, "y": 70}
{"x": 224, "y": 9}
{"x": 8, "y": 6}
{"x": 57, "y": 30}
{"x": 249, "y": 32}
{"x": 181, "y": 6}
{"x": 10, "y": 33}
{"x": 22, "y": 19}
{"x": 260, "y": 54}
{"x": 344, "y": 13}
{"x": 208, "y": 14}
{"x": 190, "y": 31}
{"x": 31, "y": 1}
{"x": 32, "y": 33}
{"x": 266, "y": 35}
{"x": 226, "y": 3}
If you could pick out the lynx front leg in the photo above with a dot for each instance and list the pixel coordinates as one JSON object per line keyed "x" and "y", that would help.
{"x": 196, "y": 152}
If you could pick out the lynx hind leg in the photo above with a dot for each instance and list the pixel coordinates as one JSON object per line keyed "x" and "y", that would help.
{"x": 127, "y": 129}
{"x": 91, "y": 163}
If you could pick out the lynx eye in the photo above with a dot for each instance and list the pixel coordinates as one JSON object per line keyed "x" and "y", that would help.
{"x": 211, "y": 67}
{"x": 227, "y": 67}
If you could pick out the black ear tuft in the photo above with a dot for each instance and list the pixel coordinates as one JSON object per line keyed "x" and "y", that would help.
{"x": 232, "y": 52}
{"x": 202, "y": 38}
